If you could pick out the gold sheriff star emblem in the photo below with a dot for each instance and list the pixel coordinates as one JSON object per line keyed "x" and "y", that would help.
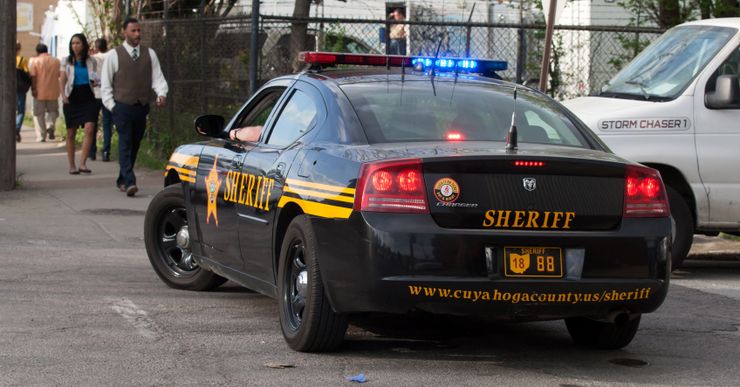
{"x": 213, "y": 184}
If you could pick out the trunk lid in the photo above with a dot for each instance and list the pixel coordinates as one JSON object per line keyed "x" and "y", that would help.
{"x": 527, "y": 190}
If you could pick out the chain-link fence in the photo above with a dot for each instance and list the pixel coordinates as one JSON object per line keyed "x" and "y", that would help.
{"x": 206, "y": 60}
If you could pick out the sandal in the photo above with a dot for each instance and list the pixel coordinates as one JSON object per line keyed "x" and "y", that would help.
{"x": 85, "y": 170}
{"x": 75, "y": 172}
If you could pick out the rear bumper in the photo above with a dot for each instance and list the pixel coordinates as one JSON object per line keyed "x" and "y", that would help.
{"x": 381, "y": 263}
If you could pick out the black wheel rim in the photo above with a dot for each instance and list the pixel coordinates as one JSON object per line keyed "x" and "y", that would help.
{"x": 296, "y": 284}
{"x": 176, "y": 255}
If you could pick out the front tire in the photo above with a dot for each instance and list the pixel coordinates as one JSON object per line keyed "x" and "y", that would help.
{"x": 306, "y": 318}
{"x": 602, "y": 335}
{"x": 683, "y": 235}
{"x": 167, "y": 240}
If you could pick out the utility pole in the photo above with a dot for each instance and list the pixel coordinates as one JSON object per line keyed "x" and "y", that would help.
{"x": 548, "y": 45}
{"x": 8, "y": 95}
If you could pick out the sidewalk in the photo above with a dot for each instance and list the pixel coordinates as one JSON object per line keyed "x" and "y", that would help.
{"x": 50, "y": 205}
{"x": 44, "y": 165}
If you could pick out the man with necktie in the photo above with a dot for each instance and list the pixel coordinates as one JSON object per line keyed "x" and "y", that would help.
{"x": 130, "y": 74}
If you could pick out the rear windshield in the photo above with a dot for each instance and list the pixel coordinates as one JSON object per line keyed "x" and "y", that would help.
{"x": 465, "y": 111}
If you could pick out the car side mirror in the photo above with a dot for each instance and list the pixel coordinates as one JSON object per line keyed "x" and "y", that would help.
{"x": 210, "y": 125}
{"x": 726, "y": 94}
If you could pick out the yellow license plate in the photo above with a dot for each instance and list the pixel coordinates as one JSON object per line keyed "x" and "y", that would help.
{"x": 533, "y": 262}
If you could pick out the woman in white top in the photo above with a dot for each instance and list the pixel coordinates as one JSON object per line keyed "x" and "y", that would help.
{"x": 78, "y": 77}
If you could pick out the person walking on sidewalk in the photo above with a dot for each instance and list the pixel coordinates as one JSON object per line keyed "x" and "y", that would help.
{"x": 80, "y": 107}
{"x": 45, "y": 90}
{"x": 23, "y": 80}
{"x": 99, "y": 51}
{"x": 130, "y": 73}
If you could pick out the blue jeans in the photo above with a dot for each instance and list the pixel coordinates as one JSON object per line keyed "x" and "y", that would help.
{"x": 107, "y": 131}
{"x": 398, "y": 47}
{"x": 20, "y": 108}
{"x": 130, "y": 121}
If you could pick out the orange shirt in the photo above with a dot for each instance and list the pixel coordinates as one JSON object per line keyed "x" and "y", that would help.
{"x": 45, "y": 76}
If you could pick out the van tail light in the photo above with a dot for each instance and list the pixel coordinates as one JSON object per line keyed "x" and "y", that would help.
{"x": 644, "y": 193}
{"x": 392, "y": 186}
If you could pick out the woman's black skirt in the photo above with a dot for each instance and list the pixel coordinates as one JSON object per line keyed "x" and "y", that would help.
{"x": 82, "y": 107}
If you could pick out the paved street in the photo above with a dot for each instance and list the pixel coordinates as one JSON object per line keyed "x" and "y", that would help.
{"x": 80, "y": 305}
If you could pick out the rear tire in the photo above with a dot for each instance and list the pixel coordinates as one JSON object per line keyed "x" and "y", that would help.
{"x": 166, "y": 220}
{"x": 602, "y": 335}
{"x": 306, "y": 318}
{"x": 684, "y": 228}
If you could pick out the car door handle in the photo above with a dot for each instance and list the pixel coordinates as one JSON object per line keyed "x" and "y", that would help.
{"x": 237, "y": 162}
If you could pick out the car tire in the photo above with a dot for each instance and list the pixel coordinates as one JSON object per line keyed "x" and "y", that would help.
{"x": 683, "y": 228}
{"x": 165, "y": 222}
{"x": 602, "y": 335}
{"x": 306, "y": 318}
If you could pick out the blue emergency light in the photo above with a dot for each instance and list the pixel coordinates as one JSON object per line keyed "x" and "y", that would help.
{"x": 467, "y": 65}
{"x": 459, "y": 64}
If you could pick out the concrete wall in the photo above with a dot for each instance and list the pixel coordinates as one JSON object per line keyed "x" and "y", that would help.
{"x": 30, "y": 14}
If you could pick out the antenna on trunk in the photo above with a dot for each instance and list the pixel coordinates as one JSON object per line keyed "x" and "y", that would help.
{"x": 511, "y": 137}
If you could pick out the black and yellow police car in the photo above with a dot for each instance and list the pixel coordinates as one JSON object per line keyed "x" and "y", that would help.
{"x": 413, "y": 184}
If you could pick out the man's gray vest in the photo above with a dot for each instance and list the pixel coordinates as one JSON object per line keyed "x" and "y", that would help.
{"x": 132, "y": 83}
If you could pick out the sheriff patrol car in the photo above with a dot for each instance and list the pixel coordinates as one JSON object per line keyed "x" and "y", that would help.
{"x": 676, "y": 108}
{"x": 413, "y": 184}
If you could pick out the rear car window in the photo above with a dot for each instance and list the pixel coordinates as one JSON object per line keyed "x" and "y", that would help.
{"x": 463, "y": 111}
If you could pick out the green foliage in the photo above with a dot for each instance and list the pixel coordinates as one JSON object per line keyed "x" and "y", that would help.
{"x": 336, "y": 43}
{"x": 662, "y": 13}
{"x": 163, "y": 134}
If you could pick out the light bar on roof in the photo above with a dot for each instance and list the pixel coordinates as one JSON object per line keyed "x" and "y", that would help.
{"x": 469, "y": 65}
{"x": 333, "y": 58}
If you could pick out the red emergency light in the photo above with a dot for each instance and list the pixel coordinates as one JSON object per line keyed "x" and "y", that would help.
{"x": 331, "y": 58}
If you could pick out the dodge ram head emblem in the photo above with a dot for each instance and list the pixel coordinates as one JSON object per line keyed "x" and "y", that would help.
{"x": 529, "y": 183}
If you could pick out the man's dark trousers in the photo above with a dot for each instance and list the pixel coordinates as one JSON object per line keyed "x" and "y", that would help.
{"x": 107, "y": 131}
{"x": 130, "y": 121}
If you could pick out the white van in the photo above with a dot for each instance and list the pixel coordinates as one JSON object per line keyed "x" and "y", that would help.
{"x": 676, "y": 108}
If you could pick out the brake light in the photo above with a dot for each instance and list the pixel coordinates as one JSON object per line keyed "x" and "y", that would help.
{"x": 524, "y": 163}
{"x": 382, "y": 181}
{"x": 454, "y": 136}
{"x": 644, "y": 193}
{"x": 392, "y": 186}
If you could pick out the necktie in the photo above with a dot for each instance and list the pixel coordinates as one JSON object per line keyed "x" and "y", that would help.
{"x": 135, "y": 54}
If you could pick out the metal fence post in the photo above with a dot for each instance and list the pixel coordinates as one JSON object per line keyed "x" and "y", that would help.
{"x": 170, "y": 73}
{"x": 203, "y": 56}
{"x": 253, "y": 47}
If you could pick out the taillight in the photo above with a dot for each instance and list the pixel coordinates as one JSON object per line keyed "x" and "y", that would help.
{"x": 454, "y": 136}
{"x": 644, "y": 193}
{"x": 527, "y": 163}
{"x": 392, "y": 186}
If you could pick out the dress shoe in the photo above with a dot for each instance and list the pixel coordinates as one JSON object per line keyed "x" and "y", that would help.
{"x": 50, "y": 132}
{"x": 131, "y": 190}
{"x": 106, "y": 156}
